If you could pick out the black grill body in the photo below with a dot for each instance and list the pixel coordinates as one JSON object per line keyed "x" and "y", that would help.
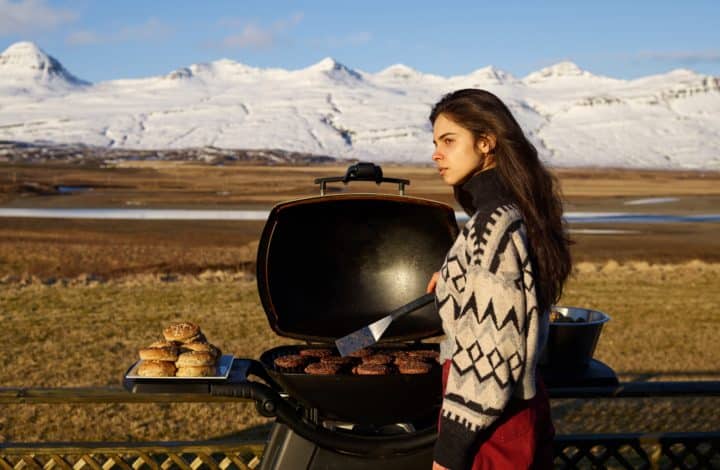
{"x": 372, "y": 400}
{"x": 286, "y": 450}
{"x": 327, "y": 266}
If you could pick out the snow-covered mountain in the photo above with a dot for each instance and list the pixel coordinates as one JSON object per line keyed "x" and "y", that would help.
{"x": 575, "y": 118}
{"x": 24, "y": 67}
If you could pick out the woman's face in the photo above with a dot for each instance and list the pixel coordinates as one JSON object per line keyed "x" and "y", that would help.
{"x": 456, "y": 154}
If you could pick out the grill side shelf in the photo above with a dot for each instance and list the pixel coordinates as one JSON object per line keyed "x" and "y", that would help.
{"x": 238, "y": 377}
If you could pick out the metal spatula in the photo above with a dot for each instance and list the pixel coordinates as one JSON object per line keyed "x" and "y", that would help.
{"x": 369, "y": 335}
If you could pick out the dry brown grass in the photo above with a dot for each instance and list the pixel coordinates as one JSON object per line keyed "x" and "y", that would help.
{"x": 75, "y": 336}
{"x": 663, "y": 316}
{"x": 68, "y": 248}
{"x": 664, "y": 320}
{"x": 172, "y": 184}
{"x": 82, "y": 332}
{"x": 663, "y": 324}
{"x": 75, "y": 248}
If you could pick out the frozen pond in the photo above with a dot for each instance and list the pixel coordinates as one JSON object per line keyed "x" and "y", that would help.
{"x": 259, "y": 215}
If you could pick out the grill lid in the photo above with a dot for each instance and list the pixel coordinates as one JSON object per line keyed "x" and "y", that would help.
{"x": 329, "y": 265}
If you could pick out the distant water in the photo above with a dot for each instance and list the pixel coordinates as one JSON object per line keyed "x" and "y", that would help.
{"x": 650, "y": 200}
{"x": 192, "y": 214}
{"x": 73, "y": 189}
{"x": 626, "y": 217}
{"x": 601, "y": 231}
{"x": 136, "y": 214}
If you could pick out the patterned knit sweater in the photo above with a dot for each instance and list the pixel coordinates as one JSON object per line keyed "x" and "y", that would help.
{"x": 494, "y": 332}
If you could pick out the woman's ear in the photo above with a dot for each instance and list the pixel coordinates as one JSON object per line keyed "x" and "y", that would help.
{"x": 486, "y": 143}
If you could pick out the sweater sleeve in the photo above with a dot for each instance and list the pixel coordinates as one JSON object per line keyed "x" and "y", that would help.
{"x": 488, "y": 360}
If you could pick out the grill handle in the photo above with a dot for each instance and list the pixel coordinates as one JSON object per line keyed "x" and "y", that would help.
{"x": 265, "y": 395}
{"x": 363, "y": 171}
{"x": 270, "y": 404}
{"x": 266, "y": 399}
{"x": 256, "y": 368}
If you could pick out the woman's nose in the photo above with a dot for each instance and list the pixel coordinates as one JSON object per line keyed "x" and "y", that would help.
{"x": 436, "y": 156}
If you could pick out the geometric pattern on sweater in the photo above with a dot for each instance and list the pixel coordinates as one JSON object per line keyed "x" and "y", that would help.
{"x": 494, "y": 335}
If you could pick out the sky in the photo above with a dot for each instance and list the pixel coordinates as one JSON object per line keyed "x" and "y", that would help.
{"x": 104, "y": 40}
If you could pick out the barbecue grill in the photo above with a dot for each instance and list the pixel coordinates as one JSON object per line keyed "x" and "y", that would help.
{"x": 326, "y": 266}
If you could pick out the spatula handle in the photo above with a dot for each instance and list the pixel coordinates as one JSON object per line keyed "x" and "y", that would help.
{"x": 412, "y": 306}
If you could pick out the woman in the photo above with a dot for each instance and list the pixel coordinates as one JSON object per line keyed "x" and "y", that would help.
{"x": 495, "y": 288}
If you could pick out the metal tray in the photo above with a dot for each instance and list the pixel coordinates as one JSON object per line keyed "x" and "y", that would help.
{"x": 224, "y": 366}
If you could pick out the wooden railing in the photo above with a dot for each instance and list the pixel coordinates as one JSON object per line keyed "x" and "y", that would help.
{"x": 242, "y": 455}
{"x": 629, "y": 451}
{"x": 638, "y": 451}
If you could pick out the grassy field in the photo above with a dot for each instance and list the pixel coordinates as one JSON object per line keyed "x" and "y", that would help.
{"x": 88, "y": 335}
{"x": 78, "y": 297}
{"x": 72, "y": 249}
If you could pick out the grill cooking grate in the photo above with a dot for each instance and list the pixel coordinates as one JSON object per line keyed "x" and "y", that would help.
{"x": 268, "y": 357}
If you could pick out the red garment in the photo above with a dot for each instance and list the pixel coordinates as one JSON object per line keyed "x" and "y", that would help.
{"x": 522, "y": 437}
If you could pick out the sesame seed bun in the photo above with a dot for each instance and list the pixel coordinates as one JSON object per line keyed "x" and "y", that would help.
{"x": 196, "y": 371}
{"x": 156, "y": 369}
{"x": 181, "y": 331}
{"x": 204, "y": 347}
{"x": 163, "y": 344}
{"x": 168, "y": 353}
{"x": 195, "y": 358}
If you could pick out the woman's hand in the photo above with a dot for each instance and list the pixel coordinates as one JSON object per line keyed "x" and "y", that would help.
{"x": 437, "y": 466}
{"x": 433, "y": 282}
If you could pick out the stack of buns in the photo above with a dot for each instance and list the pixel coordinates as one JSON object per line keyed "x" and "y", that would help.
{"x": 185, "y": 352}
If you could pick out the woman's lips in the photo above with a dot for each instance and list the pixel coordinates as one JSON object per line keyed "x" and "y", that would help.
{"x": 442, "y": 170}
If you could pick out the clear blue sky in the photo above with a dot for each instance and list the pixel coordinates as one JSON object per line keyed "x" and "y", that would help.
{"x": 101, "y": 40}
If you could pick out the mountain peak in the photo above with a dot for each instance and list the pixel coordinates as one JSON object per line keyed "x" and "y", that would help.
{"x": 231, "y": 66}
{"x": 25, "y": 61}
{"x": 491, "y": 73}
{"x": 683, "y": 72}
{"x": 27, "y": 55}
{"x": 225, "y": 62}
{"x": 563, "y": 69}
{"x": 332, "y": 68}
{"x": 23, "y": 48}
{"x": 224, "y": 69}
{"x": 326, "y": 65}
{"x": 183, "y": 73}
{"x": 400, "y": 71}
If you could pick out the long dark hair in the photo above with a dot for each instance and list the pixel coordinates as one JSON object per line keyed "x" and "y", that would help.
{"x": 535, "y": 189}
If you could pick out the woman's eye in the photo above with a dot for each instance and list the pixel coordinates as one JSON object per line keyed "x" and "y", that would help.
{"x": 448, "y": 141}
